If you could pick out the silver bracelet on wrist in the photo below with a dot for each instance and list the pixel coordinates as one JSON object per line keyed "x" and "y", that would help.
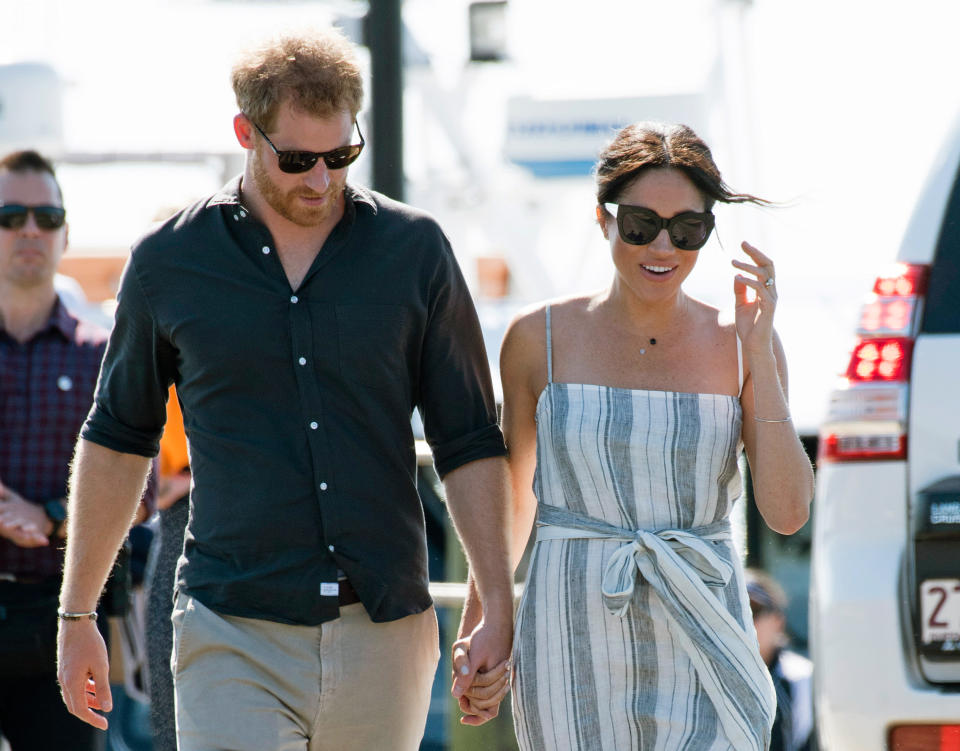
{"x": 65, "y": 616}
{"x": 760, "y": 419}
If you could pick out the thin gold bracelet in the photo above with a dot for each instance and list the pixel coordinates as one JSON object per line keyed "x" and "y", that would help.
{"x": 65, "y": 616}
{"x": 760, "y": 419}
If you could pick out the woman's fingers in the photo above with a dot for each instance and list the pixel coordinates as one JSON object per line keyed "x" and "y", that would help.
{"x": 481, "y": 702}
{"x": 490, "y": 702}
{"x": 763, "y": 268}
{"x": 756, "y": 284}
{"x": 758, "y": 271}
{"x": 759, "y": 258}
{"x": 489, "y": 677}
{"x": 484, "y": 693}
{"x": 748, "y": 291}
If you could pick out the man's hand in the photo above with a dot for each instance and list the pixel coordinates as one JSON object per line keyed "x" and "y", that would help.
{"x": 23, "y": 523}
{"x": 83, "y": 671}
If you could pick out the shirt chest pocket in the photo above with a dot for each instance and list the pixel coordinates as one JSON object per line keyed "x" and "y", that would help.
{"x": 373, "y": 344}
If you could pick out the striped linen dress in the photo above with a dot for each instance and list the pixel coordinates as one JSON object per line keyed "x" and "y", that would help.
{"x": 634, "y": 631}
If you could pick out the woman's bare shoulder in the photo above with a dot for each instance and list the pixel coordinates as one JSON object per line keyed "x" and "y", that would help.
{"x": 529, "y": 323}
{"x": 706, "y": 316}
{"x": 523, "y": 354}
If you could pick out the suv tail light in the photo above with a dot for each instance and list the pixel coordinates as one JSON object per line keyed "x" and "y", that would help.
{"x": 867, "y": 419}
{"x": 925, "y": 738}
{"x": 880, "y": 360}
{"x": 903, "y": 280}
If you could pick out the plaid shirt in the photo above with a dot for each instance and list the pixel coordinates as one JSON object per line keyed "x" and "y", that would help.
{"x": 46, "y": 390}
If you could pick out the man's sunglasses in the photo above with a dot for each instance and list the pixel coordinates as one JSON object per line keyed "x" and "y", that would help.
{"x": 689, "y": 230}
{"x": 294, "y": 162}
{"x": 14, "y": 216}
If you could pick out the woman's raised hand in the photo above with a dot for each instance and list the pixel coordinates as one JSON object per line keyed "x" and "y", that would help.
{"x": 755, "y": 317}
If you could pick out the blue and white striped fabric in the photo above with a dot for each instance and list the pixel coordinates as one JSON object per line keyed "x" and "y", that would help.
{"x": 635, "y": 631}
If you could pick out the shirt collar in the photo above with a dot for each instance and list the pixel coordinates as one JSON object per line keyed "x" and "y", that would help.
{"x": 62, "y": 321}
{"x": 228, "y": 195}
{"x": 59, "y": 320}
{"x": 361, "y": 195}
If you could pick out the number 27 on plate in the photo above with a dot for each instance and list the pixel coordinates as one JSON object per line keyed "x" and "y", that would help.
{"x": 940, "y": 610}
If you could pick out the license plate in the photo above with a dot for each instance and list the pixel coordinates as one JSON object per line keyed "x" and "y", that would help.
{"x": 940, "y": 614}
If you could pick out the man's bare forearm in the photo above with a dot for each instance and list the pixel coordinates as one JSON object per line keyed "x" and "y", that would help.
{"x": 477, "y": 496}
{"x": 105, "y": 487}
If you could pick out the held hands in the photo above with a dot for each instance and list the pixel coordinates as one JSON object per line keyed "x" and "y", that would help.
{"x": 481, "y": 670}
{"x": 481, "y": 701}
{"x": 755, "y": 317}
{"x": 22, "y": 522}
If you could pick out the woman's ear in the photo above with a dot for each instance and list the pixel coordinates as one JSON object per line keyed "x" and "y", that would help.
{"x": 602, "y": 221}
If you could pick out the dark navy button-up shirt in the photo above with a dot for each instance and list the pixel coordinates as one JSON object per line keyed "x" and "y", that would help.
{"x": 46, "y": 389}
{"x": 297, "y": 403}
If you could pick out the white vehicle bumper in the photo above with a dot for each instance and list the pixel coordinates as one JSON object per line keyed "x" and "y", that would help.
{"x": 865, "y": 679}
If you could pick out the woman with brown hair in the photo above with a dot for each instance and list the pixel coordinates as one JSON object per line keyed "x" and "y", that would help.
{"x": 625, "y": 412}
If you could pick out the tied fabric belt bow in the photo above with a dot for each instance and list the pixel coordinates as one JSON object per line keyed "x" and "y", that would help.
{"x": 680, "y": 565}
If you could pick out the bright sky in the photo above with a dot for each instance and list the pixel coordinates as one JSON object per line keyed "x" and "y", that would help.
{"x": 837, "y": 106}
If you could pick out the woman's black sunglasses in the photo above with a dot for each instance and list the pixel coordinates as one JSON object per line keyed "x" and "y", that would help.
{"x": 688, "y": 230}
{"x": 294, "y": 162}
{"x": 14, "y": 216}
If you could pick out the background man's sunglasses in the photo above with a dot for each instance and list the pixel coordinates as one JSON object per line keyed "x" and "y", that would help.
{"x": 14, "y": 216}
{"x": 639, "y": 226}
{"x": 295, "y": 162}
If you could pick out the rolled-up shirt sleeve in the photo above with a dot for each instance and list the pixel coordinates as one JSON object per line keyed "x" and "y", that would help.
{"x": 129, "y": 408}
{"x": 457, "y": 403}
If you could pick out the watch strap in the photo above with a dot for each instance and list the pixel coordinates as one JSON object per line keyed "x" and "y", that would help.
{"x": 57, "y": 513}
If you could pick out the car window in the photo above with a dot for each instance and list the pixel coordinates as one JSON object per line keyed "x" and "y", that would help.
{"x": 942, "y": 309}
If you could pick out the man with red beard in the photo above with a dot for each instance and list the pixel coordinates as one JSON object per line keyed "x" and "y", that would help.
{"x": 302, "y": 319}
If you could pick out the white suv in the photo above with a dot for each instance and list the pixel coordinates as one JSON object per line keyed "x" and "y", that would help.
{"x": 885, "y": 568}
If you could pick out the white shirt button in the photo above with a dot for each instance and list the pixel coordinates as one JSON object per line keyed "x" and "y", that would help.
{"x": 302, "y": 361}
{"x": 265, "y": 249}
{"x": 314, "y": 426}
{"x": 294, "y": 299}
{"x": 243, "y": 213}
{"x": 64, "y": 383}
{"x": 236, "y": 218}
{"x": 330, "y": 548}
{"x": 323, "y": 486}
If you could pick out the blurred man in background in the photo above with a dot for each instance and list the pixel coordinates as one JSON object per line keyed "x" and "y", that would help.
{"x": 49, "y": 362}
{"x": 791, "y": 672}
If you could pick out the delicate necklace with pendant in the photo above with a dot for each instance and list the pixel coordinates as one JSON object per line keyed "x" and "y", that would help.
{"x": 643, "y": 350}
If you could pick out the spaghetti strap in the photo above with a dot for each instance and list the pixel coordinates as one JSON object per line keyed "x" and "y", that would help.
{"x": 739, "y": 365}
{"x": 549, "y": 349}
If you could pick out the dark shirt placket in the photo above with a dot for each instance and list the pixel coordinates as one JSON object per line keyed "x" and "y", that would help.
{"x": 314, "y": 425}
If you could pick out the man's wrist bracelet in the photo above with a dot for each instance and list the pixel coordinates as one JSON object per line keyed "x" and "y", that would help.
{"x": 760, "y": 419}
{"x": 63, "y": 615}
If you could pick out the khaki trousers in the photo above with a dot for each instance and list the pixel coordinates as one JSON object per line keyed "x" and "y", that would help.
{"x": 243, "y": 684}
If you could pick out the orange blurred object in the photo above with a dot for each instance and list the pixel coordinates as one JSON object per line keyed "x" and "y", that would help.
{"x": 173, "y": 444}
